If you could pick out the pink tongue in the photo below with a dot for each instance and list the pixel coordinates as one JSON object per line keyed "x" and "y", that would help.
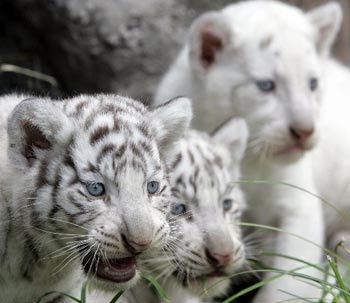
{"x": 117, "y": 270}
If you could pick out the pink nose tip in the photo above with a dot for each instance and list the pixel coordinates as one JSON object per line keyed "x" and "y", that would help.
{"x": 135, "y": 247}
{"x": 218, "y": 259}
{"x": 301, "y": 134}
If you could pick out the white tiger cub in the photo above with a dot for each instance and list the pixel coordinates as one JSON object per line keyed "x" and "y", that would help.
{"x": 205, "y": 244}
{"x": 268, "y": 62}
{"x": 86, "y": 187}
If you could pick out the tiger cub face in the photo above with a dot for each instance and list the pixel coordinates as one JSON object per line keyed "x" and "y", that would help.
{"x": 207, "y": 203}
{"x": 268, "y": 69}
{"x": 94, "y": 170}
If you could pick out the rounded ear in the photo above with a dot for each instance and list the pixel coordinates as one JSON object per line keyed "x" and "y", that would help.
{"x": 36, "y": 125}
{"x": 327, "y": 20}
{"x": 234, "y": 135}
{"x": 209, "y": 35}
{"x": 170, "y": 120}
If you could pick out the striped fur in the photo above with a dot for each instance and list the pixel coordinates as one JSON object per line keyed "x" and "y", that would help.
{"x": 203, "y": 174}
{"x": 52, "y": 229}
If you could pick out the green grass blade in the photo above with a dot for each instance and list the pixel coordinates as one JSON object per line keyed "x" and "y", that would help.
{"x": 57, "y": 292}
{"x": 294, "y": 297}
{"x": 339, "y": 279}
{"x": 325, "y": 289}
{"x": 117, "y": 296}
{"x": 316, "y": 266}
{"x": 83, "y": 292}
{"x": 157, "y": 286}
{"x": 281, "y": 273}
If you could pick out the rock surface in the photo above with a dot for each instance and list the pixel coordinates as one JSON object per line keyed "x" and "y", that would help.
{"x": 119, "y": 46}
{"x": 89, "y": 46}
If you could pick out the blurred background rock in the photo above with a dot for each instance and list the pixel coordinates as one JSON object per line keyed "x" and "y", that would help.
{"x": 89, "y": 46}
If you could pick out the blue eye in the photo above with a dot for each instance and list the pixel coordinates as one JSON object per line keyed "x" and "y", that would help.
{"x": 152, "y": 187}
{"x": 313, "y": 84}
{"x": 227, "y": 204}
{"x": 266, "y": 85}
{"x": 95, "y": 189}
{"x": 178, "y": 209}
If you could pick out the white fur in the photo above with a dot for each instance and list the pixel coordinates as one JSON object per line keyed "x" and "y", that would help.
{"x": 208, "y": 168}
{"x": 44, "y": 195}
{"x": 273, "y": 41}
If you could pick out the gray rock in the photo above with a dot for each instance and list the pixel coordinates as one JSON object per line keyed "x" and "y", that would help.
{"x": 119, "y": 46}
{"x": 89, "y": 46}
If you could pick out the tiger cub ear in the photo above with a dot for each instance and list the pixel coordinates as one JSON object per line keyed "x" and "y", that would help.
{"x": 210, "y": 35}
{"x": 327, "y": 20}
{"x": 234, "y": 135}
{"x": 36, "y": 126}
{"x": 170, "y": 120}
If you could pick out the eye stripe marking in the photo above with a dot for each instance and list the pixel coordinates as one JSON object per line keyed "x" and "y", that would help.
{"x": 163, "y": 188}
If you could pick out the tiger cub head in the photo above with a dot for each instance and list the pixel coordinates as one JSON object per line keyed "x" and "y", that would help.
{"x": 92, "y": 174}
{"x": 205, "y": 243}
{"x": 269, "y": 69}
{"x": 264, "y": 61}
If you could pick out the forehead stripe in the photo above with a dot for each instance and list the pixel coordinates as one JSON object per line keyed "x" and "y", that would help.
{"x": 107, "y": 149}
{"x": 120, "y": 152}
{"x": 98, "y": 134}
{"x": 79, "y": 108}
{"x": 177, "y": 161}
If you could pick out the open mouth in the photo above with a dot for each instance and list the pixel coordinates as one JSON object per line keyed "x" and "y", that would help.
{"x": 114, "y": 270}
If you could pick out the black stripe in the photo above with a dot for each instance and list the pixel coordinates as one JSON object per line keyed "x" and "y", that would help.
{"x": 88, "y": 220}
{"x": 55, "y": 207}
{"x": 120, "y": 152}
{"x": 68, "y": 159}
{"x": 30, "y": 257}
{"x": 79, "y": 108}
{"x": 191, "y": 156}
{"x": 164, "y": 187}
{"x": 7, "y": 231}
{"x": 177, "y": 161}
{"x": 98, "y": 134}
{"x": 41, "y": 178}
{"x": 147, "y": 148}
{"x": 76, "y": 203}
{"x": 144, "y": 130}
{"x": 120, "y": 167}
{"x": 91, "y": 167}
{"x": 90, "y": 119}
{"x": 193, "y": 184}
{"x": 107, "y": 149}
{"x": 136, "y": 152}
{"x": 137, "y": 165}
